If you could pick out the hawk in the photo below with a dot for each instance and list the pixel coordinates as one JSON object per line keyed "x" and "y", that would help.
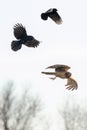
{"x": 52, "y": 13}
{"x": 22, "y": 38}
{"x": 61, "y": 71}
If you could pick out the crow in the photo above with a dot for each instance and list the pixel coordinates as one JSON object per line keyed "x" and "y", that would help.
{"x": 22, "y": 38}
{"x": 52, "y": 13}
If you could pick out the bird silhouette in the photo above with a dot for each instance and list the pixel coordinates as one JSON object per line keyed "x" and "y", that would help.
{"x": 61, "y": 71}
{"x": 53, "y": 14}
{"x": 22, "y": 38}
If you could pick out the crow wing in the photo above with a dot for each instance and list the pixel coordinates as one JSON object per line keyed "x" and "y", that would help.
{"x": 30, "y": 41}
{"x": 55, "y": 17}
{"x": 19, "y": 31}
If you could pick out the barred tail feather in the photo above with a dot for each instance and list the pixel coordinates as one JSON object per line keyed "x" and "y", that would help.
{"x": 16, "y": 45}
{"x": 48, "y": 73}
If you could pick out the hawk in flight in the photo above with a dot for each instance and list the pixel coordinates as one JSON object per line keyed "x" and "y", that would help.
{"x": 22, "y": 38}
{"x": 61, "y": 71}
{"x": 52, "y": 13}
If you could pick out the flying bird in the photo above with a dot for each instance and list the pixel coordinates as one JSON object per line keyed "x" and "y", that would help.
{"x": 61, "y": 71}
{"x": 53, "y": 14}
{"x": 22, "y": 38}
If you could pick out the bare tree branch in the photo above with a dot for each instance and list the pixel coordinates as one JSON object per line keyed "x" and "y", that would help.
{"x": 6, "y": 104}
{"x": 71, "y": 114}
{"x": 18, "y": 114}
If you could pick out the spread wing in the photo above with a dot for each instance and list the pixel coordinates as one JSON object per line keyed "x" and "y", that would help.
{"x": 71, "y": 84}
{"x": 59, "y": 67}
{"x": 19, "y": 31}
{"x": 22, "y": 37}
{"x": 61, "y": 72}
{"x": 56, "y": 17}
{"x": 30, "y": 41}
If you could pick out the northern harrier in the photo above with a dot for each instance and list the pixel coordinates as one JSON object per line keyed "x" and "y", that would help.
{"x": 61, "y": 71}
{"x": 22, "y": 38}
{"x": 52, "y": 13}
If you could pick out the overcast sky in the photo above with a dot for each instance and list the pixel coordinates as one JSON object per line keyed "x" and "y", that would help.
{"x": 61, "y": 44}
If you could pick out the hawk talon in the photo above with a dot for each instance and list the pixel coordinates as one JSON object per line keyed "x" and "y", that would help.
{"x": 53, "y": 78}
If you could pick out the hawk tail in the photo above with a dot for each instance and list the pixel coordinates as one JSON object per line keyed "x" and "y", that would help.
{"x": 48, "y": 73}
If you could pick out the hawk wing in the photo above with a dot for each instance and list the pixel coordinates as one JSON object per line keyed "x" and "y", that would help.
{"x": 59, "y": 67}
{"x": 19, "y": 31}
{"x": 72, "y": 84}
{"x": 61, "y": 72}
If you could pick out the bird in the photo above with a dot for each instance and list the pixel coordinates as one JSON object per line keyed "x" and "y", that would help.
{"x": 53, "y": 14}
{"x": 20, "y": 34}
{"x": 61, "y": 71}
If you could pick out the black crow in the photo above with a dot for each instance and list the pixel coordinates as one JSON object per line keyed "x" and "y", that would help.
{"x": 52, "y": 13}
{"x": 22, "y": 38}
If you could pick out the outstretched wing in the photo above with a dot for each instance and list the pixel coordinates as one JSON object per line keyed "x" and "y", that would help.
{"x": 19, "y": 31}
{"x": 59, "y": 67}
{"x": 30, "y": 41}
{"x": 72, "y": 84}
{"x": 56, "y": 17}
{"x": 61, "y": 72}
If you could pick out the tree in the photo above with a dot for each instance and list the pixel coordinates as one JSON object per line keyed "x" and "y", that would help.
{"x": 74, "y": 115}
{"x": 71, "y": 114}
{"x": 83, "y": 118}
{"x": 17, "y": 112}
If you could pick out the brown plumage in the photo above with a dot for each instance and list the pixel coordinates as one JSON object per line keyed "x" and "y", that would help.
{"x": 22, "y": 38}
{"x": 61, "y": 71}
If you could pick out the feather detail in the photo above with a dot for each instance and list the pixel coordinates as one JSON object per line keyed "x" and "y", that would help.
{"x": 72, "y": 84}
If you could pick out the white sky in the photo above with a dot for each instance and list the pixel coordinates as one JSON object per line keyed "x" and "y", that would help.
{"x": 61, "y": 44}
